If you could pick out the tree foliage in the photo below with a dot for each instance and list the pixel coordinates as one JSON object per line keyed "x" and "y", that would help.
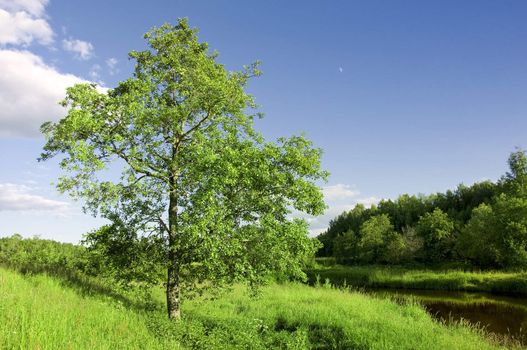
{"x": 375, "y": 234}
{"x": 346, "y": 247}
{"x": 511, "y": 227}
{"x": 514, "y": 182}
{"x": 478, "y": 240}
{"x": 170, "y": 156}
{"x": 436, "y": 229}
{"x": 41, "y": 255}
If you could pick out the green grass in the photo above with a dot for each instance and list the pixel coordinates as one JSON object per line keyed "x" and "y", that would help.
{"x": 42, "y": 312}
{"x": 513, "y": 283}
{"x": 39, "y": 312}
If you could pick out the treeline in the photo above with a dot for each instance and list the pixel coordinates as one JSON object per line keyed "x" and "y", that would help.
{"x": 97, "y": 255}
{"x": 42, "y": 255}
{"x": 484, "y": 225}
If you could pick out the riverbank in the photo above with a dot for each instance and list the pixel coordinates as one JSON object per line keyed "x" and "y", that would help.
{"x": 497, "y": 282}
{"x": 39, "y": 311}
{"x": 504, "y": 316}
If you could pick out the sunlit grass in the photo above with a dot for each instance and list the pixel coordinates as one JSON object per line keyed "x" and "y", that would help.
{"x": 408, "y": 278}
{"x": 41, "y": 312}
{"x": 38, "y": 312}
{"x": 327, "y": 318}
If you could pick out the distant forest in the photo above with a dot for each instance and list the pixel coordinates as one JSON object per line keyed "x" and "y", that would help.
{"x": 483, "y": 225}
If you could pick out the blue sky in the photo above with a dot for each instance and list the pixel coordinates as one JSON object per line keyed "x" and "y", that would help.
{"x": 403, "y": 96}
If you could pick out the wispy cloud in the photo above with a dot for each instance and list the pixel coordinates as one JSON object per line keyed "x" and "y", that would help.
{"x": 81, "y": 49}
{"x": 339, "y": 192}
{"x": 95, "y": 72}
{"x": 112, "y": 65}
{"x": 17, "y": 197}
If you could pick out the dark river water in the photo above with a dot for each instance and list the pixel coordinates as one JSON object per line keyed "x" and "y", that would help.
{"x": 502, "y": 315}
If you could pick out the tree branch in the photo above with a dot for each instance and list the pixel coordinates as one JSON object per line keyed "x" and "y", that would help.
{"x": 162, "y": 222}
{"x": 126, "y": 158}
{"x": 188, "y": 132}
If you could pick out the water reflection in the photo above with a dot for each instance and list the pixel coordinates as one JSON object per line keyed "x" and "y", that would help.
{"x": 506, "y": 316}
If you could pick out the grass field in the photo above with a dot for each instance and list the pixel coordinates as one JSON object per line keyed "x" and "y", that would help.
{"x": 512, "y": 283}
{"x": 41, "y": 312}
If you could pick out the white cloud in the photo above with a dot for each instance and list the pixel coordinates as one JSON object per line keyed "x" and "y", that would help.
{"x": 30, "y": 88}
{"x": 30, "y": 94}
{"x": 82, "y": 49}
{"x": 112, "y": 65}
{"x": 368, "y": 201}
{"x": 339, "y": 192}
{"x": 320, "y": 223}
{"x": 21, "y": 28}
{"x": 33, "y": 7}
{"x": 15, "y": 197}
{"x": 339, "y": 198}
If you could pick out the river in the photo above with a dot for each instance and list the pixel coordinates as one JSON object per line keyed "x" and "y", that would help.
{"x": 502, "y": 315}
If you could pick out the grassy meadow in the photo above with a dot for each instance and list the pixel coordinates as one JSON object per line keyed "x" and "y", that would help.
{"x": 43, "y": 312}
{"x": 374, "y": 276}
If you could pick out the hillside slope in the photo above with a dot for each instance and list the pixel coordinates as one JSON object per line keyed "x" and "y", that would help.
{"x": 41, "y": 312}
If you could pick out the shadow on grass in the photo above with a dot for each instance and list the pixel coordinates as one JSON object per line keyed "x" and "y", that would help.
{"x": 86, "y": 285}
{"x": 320, "y": 336}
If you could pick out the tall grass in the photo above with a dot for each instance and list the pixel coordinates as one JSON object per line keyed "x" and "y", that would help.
{"x": 39, "y": 312}
{"x": 42, "y": 312}
{"x": 513, "y": 283}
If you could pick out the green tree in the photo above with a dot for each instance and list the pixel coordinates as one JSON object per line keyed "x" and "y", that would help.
{"x": 193, "y": 171}
{"x": 496, "y": 236}
{"x": 117, "y": 252}
{"x": 345, "y": 247}
{"x": 437, "y": 229}
{"x": 347, "y": 221}
{"x": 395, "y": 248}
{"x": 376, "y": 233}
{"x": 511, "y": 228}
{"x": 514, "y": 182}
{"x": 413, "y": 244}
{"x": 479, "y": 239}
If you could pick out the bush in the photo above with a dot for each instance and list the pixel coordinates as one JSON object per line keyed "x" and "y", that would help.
{"x": 41, "y": 255}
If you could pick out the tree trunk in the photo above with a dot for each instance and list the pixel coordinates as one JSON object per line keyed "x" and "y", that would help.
{"x": 173, "y": 283}
{"x": 173, "y": 275}
{"x": 173, "y": 292}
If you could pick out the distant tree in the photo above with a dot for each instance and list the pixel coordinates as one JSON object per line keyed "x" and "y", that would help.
{"x": 514, "y": 182}
{"x": 437, "y": 229}
{"x": 345, "y": 248}
{"x": 41, "y": 255}
{"x": 496, "y": 236}
{"x": 375, "y": 235}
{"x": 408, "y": 210}
{"x": 394, "y": 248}
{"x": 479, "y": 240}
{"x": 412, "y": 243}
{"x": 470, "y": 197}
{"x": 347, "y": 221}
{"x": 193, "y": 172}
{"x": 511, "y": 229}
